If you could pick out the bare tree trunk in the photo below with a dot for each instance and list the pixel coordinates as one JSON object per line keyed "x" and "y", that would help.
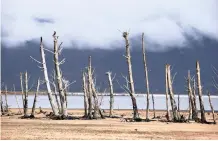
{"x": 59, "y": 78}
{"x": 179, "y": 104}
{"x": 16, "y": 99}
{"x": 111, "y": 93}
{"x": 167, "y": 92}
{"x": 95, "y": 96}
{"x": 85, "y": 95}
{"x": 130, "y": 78}
{"x": 21, "y": 84}
{"x": 90, "y": 88}
{"x": 154, "y": 111}
{"x": 146, "y": 76}
{"x": 211, "y": 106}
{"x": 192, "y": 98}
{"x": 97, "y": 108}
{"x": 6, "y": 99}
{"x": 173, "y": 102}
{"x": 55, "y": 93}
{"x": 26, "y": 96}
{"x": 190, "y": 109}
{"x": 203, "y": 118}
{"x": 2, "y": 108}
{"x": 45, "y": 71}
{"x": 65, "y": 91}
{"x": 35, "y": 99}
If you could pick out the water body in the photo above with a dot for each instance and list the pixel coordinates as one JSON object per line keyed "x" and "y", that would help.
{"x": 120, "y": 102}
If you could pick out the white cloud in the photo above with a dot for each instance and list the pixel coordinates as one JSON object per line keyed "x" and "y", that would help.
{"x": 96, "y": 22}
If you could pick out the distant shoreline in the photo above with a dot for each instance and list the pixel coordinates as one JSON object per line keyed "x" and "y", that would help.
{"x": 100, "y": 94}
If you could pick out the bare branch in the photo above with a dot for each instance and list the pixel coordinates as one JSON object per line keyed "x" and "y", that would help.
{"x": 113, "y": 77}
{"x": 60, "y": 48}
{"x": 35, "y": 60}
{"x": 62, "y": 62}
{"x": 125, "y": 56}
{"x": 39, "y": 67}
{"x": 126, "y": 90}
{"x": 49, "y": 50}
{"x": 193, "y": 77}
{"x": 125, "y": 78}
{"x": 174, "y": 77}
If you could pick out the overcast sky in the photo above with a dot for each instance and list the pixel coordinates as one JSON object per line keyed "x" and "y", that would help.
{"x": 97, "y": 22}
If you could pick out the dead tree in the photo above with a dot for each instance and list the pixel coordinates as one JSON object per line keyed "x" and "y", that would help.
{"x": 97, "y": 103}
{"x": 192, "y": 99}
{"x": 190, "y": 109}
{"x": 26, "y": 96}
{"x": 110, "y": 82}
{"x": 16, "y": 99}
{"x": 172, "y": 100}
{"x": 153, "y": 105}
{"x": 90, "y": 88}
{"x": 95, "y": 96}
{"x": 84, "y": 86}
{"x": 179, "y": 104}
{"x": 55, "y": 92}
{"x": 57, "y": 64}
{"x": 21, "y": 84}
{"x": 2, "y": 108}
{"x": 167, "y": 92}
{"x": 6, "y": 99}
{"x": 211, "y": 106}
{"x": 65, "y": 84}
{"x": 146, "y": 76}
{"x": 35, "y": 99}
{"x": 215, "y": 83}
{"x": 47, "y": 82}
{"x": 203, "y": 118}
{"x": 130, "y": 77}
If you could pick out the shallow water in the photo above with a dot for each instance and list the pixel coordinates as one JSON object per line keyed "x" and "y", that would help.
{"x": 120, "y": 102}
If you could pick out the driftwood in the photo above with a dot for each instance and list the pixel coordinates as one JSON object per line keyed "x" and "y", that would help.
{"x": 59, "y": 76}
{"x": 146, "y": 77}
{"x": 167, "y": 92}
{"x": 211, "y": 106}
{"x": 131, "y": 88}
{"x": 199, "y": 87}
{"x": 110, "y": 81}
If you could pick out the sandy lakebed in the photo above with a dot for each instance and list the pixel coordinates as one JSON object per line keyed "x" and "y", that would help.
{"x": 42, "y": 128}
